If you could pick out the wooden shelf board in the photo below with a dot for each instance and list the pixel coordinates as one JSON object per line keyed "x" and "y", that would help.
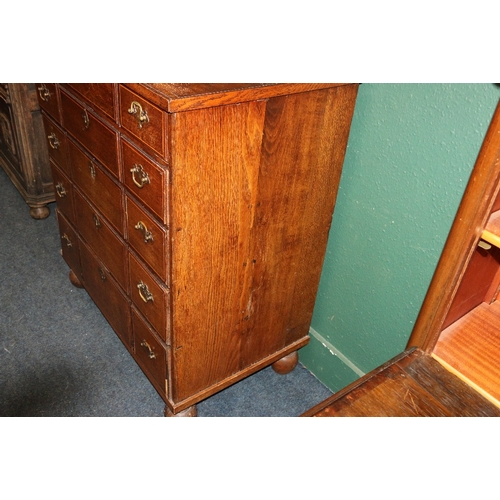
{"x": 491, "y": 232}
{"x": 471, "y": 347}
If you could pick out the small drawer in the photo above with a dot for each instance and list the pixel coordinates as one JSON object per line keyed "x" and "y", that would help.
{"x": 69, "y": 245}
{"x": 100, "y": 140}
{"x": 149, "y": 353}
{"x": 57, "y": 145}
{"x": 98, "y": 186}
{"x": 148, "y": 239}
{"x": 100, "y": 237}
{"x": 144, "y": 121}
{"x": 48, "y": 99}
{"x": 149, "y": 297}
{"x": 100, "y": 96}
{"x": 63, "y": 191}
{"x": 106, "y": 293}
{"x": 146, "y": 180}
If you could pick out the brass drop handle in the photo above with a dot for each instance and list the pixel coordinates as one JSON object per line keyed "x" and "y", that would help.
{"x": 44, "y": 93}
{"x": 92, "y": 170}
{"x": 97, "y": 222}
{"x": 68, "y": 241}
{"x": 148, "y": 349}
{"x": 146, "y": 234}
{"x": 102, "y": 274}
{"x": 60, "y": 190}
{"x": 140, "y": 114}
{"x": 142, "y": 177}
{"x": 86, "y": 121}
{"x": 53, "y": 141}
{"x": 144, "y": 292}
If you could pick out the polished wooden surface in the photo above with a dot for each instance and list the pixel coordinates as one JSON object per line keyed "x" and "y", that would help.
{"x": 201, "y": 212}
{"x": 471, "y": 346}
{"x": 412, "y": 384}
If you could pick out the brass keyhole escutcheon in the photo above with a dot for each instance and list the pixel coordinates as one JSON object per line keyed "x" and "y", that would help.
{"x": 140, "y": 114}
{"x": 139, "y": 176}
{"x": 146, "y": 234}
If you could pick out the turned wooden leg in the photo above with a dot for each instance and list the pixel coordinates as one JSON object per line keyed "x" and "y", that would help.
{"x": 188, "y": 412}
{"x": 74, "y": 279}
{"x": 39, "y": 212}
{"x": 286, "y": 364}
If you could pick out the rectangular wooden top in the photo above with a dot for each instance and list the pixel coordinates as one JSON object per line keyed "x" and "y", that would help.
{"x": 174, "y": 97}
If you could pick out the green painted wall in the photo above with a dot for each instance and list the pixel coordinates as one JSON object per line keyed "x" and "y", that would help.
{"x": 411, "y": 151}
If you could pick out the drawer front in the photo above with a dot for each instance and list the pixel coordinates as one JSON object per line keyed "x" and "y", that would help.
{"x": 148, "y": 239}
{"x": 99, "y": 188}
{"x": 64, "y": 192}
{"x": 146, "y": 180}
{"x": 149, "y": 297}
{"x": 100, "y": 96}
{"x": 69, "y": 245}
{"x": 106, "y": 293}
{"x": 57, "y": 145}
{"x": 143, "y": 120}
{"x": 48, "y": 99}
{"x": 100, "y": 140}
{"x": 149, "y": 353}
{"x": 104, "y": 242}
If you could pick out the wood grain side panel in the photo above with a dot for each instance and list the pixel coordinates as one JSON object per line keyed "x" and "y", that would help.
{"x": 215, "y": 169}
{"x": 305, "y": 137}
{"x": 253, "y": 191}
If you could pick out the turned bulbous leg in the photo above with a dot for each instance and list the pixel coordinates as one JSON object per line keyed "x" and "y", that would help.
{"x": 188, "y": 412}
{"x": 39, "y": 213}
{"x": 286, "y": 364}
{"x": 74, "y": 279}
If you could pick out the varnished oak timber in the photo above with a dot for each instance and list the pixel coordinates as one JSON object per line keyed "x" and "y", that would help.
{"x": 200, "y": 214}
{"x": 184, "y": 97}
{"x": 474, "y": 210}
{"x": 412, "y": 384}
{"x": 23, "y": 152}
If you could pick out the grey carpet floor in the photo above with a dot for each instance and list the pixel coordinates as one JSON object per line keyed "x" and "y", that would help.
{"x": 60, "y": 357}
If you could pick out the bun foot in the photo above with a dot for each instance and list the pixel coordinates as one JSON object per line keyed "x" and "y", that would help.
{"x": 39, "y": 213}
{"x": 286, "y": 364}
{"x": 75, "y": 280}
{"x": 188, "y": 412}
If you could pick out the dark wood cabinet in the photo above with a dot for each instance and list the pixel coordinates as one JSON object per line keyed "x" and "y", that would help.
{"x": 197, "y": 216}
{"x": 23, "y": 152}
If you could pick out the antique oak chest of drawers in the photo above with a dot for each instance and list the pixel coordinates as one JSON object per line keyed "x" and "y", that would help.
{"x": 196, "y": 216}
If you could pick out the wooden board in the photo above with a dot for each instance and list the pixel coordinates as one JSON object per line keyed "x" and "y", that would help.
{"x": 412, "y": 384}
